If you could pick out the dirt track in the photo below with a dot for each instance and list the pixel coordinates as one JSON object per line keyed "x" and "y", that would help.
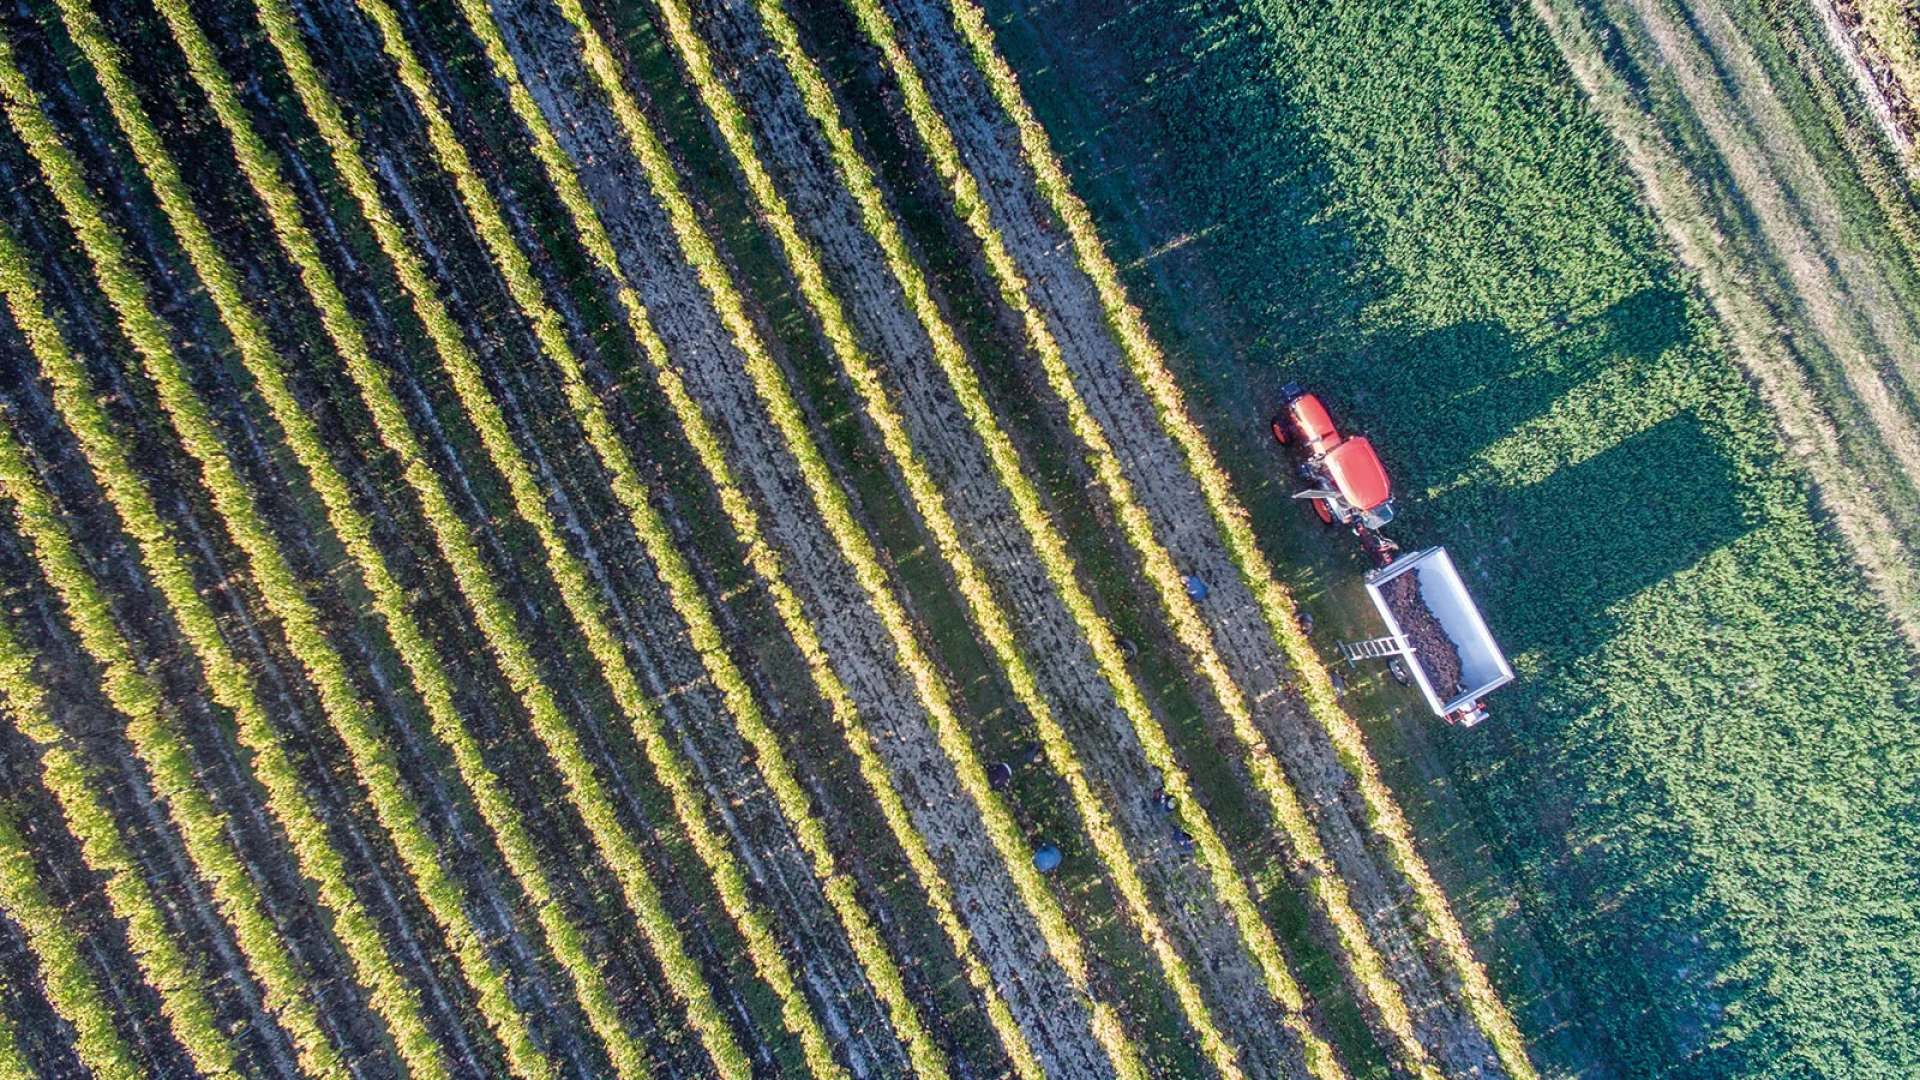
{"x": 1881, "y": 89}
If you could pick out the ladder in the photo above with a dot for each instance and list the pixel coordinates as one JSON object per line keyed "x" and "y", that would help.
{"x": 1374, "y": 649}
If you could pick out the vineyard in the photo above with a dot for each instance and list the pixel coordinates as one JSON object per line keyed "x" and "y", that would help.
{"x": 663, "y": 538}
{"x": 523, "y": 557}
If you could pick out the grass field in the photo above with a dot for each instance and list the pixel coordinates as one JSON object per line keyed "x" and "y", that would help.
{"x": 550, "y": 538}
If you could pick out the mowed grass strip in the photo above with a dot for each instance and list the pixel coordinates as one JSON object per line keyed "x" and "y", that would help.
{"x": 70, "y": 985}
{"x": 373, "y": 760}
{"x": 68, "y": 778}
{"x": 777, "y": 397}
{"x": 1149, "y": 369}
{"x": 287, "y": 992}
{"x": 766, "y": 565}
{"x": 764, "y": 949}
{"x": 684, "y": 593}
{"x": 562, "y": 934}
{"x": 989, "y": 615}
{"x": 1366, "y": 968}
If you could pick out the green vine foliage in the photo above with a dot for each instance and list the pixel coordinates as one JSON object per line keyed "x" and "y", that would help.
{"x": 150, "y": 724}
{"x": 776, "y": 397}
{"x": 64, "y": 773}
{"x": 70, "y": 984}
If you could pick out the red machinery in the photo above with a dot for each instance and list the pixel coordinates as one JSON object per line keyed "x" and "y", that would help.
{"x": 1351, "y": 485}
{"x": 1433, "y": 625}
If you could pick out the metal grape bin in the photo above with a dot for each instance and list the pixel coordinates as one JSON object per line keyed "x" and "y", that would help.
{"x": 1483, "y": 666}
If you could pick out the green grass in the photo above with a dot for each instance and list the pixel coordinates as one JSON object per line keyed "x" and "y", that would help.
{"x": 1694, "y": 789}
{"x": 1683, "y": 844}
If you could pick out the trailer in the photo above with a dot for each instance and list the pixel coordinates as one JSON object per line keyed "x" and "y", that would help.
{"x": 1434, "y": 626}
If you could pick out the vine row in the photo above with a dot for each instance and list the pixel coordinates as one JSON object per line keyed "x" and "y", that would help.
{"x": 158, "y": 744}
{"x": 70, "y": 985}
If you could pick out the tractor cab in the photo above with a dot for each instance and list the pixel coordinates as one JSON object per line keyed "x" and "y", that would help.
{"x": 1360, "y": 480}
{"x": 1350, "y": 483}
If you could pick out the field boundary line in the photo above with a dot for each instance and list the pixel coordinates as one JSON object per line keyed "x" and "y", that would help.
{"x": 1149, "y": 369}
{"x": 988, "y": 613}
{"x": 429, "y": 674}
{"x": 1367, "y": 970}
{"x": 129, "y": 689}
{"x": 1884, "y": 168}
{"x": 182, "y": 996}
{"x": 1806, "y": 266}
{"x": 373, "y": 759}
{"x": 688, "y": 601}
{"x": 70, "y": 988}
{"x": 1854, "y": 47}
{"x": 777, "y": 398}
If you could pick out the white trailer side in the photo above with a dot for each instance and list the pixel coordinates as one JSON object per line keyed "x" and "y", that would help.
{"x": 1483, "y": 666}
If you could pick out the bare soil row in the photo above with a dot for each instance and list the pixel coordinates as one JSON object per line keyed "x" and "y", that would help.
{"x": 455, "y": 1033}
{"x": 1051, "y": 1011}
{"x": 863, "y": 657}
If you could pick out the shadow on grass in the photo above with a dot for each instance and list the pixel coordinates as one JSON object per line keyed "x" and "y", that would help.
{"x": 1441, "y": 397}
{"x": 1604, "y": 530}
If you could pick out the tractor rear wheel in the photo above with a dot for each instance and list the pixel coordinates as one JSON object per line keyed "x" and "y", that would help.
{"x": 1320, "y": 511}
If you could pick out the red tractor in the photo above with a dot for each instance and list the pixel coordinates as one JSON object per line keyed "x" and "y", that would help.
{"x": 1350, "y": 485}
{"x": 1436, "y": 636}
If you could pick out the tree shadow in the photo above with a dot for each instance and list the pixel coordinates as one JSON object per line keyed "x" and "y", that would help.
{"x": 1183, "y": 130}
{"x": 1594, "y": 534}
{"x": 1439, "y": 398}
